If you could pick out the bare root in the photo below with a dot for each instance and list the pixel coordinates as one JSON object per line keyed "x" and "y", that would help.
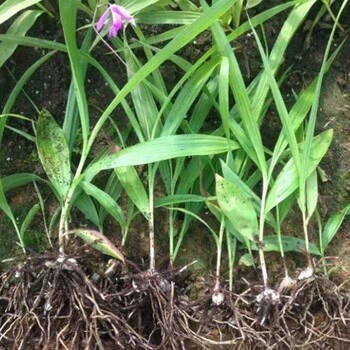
{"x": 150, "y": 307}
{"x": 50, "y": 303}
{"x": 314, "y": 314}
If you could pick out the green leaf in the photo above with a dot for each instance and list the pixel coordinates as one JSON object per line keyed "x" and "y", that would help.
{"x": 28, "y": 219}
{"x": 246, "y": 260}
{"x": 11, "y": 7}
{"x": 243, "y": 186}
{"x": 237, "y": 207}
{"x": 332, "y": 226}
{"x": 114, "y": 189}
{"x": 167, "y": 17}
{"x": 224, "y": 95}
{"x": 287, "y": 181}
{"x": 20, "y": 27}
{"x": 290, "y": 26}
{"x": 144, "y": 103}
{"x": 187, "y": 212}
{"x": 99, "y": 242}
{"x": 311, "y": 193}
{"x": 17, "y": 180}
{"x": 134, "y": 188}
{"x": 290, "y": 244}
{"x": 187, "y": 95}
{"x": 285, "y": 207}
{"x": 203, "y": 106}
{"x": 163, "y": 148}
{"x": 18, "y": 88}
{"x": 177, "y": 199}
{"x": 183, "y": 38}
{"x": 71, "y": 122}
{"x": 288, "y": 129}
{"x": 252, "y": 3}
{"x": 106, "y": 201}
{"x": 306, "y": 155}
{"x": 87, "y": 206}
{"x": 137, "y": 5}
{"x": 7, "y": 210}
{"x": 237, "y": 181}
{"x": 4, "y": 205}
{"x": 241, "y": 95}
{"x": 68, "y": 15}
{"x": 53, "y": 153}
{"x": 300, "y": 110}
{"x": 186, "y": 5}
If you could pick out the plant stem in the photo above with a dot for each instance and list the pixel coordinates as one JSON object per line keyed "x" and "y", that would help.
{"x": 63, "y": 224}
{"x": 261, "y": 234}
{"x": 179, "y": 241}
{"x": 171, "y": 237}
{"x": 62, "y": 228}
{"x": 231, "y": 247}
{"x": 21, "y": 243}
{"x": 219, "y": 252}
{"x": 307, "y": 245}
{"x": 125, "y": 235}
{"x": 152, "y": 258}
{"x": 320, "y": 237}
{"x": 279, "y": 236}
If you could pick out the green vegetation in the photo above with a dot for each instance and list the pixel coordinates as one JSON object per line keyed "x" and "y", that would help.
{"x": 164, "y": 157}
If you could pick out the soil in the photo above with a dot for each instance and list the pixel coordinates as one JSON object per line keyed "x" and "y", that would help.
{"x": 48, "y": 89}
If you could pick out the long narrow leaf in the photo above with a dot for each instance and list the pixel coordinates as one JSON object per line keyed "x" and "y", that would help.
{"x": 134, "y": 188}
{"x": 306, "y": 155}
{"x": 20, "y": 27}
{"x": 106, "y": 201}
{"x": 241, "y": 96}
{"x": 54, "y": 153}
{"x": 203, "y": 22}
{"x": 18, "y": 88}
{"x": 288, "y": 129}
{"x": 99, "y": 242}
{"x": 68, "y": 10}
{"x": 7, "y": 210}
{"x": 288, "y": 181}
{"x": 237, "y": 207}
{"x": 164, "y": 148}
{"x": 332, "y": 226}
{"x": 11, "y": 7}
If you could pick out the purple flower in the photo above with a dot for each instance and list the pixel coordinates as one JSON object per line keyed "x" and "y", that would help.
{"x": 119, "y": 16}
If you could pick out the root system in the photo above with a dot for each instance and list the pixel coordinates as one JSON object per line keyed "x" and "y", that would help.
{"x": 314, "y": 314}
{"x": 51, "y": 302}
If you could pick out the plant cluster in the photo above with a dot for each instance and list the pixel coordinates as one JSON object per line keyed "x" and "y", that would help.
{"x": 249, "y": 189}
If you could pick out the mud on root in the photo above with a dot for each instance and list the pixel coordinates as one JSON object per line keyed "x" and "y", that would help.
{"x": 313, "y": 314}
{"x": 49, "y": 302}
{"x": 52, "y": 302}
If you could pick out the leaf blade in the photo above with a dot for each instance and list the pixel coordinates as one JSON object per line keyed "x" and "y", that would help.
{"x": 54, "y": 153}
{"x": 332, "y": 226}
{"x": 99, "y": 242}
{"x": 164, "y": 148}
{"x": 237, "y": 207}
{"x": 10, "y": 7}
{"x": 20, "y": 27}
{"x": 287, "y": 181}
